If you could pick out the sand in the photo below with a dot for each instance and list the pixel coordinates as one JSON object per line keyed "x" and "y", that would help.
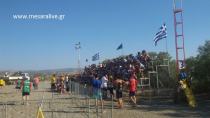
{"x": 55, "y": 105}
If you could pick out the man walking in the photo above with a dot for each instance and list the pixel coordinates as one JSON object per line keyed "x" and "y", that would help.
{"x": 132, "y": 87}
{"x": 26, "y": 89}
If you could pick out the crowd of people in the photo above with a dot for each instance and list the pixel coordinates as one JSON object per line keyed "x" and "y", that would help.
{"x": 60, "y": 83}
{"x": 102, "y": 87}
{"x": 108, "y": 79}
{"x": 25, "y": 85}
{"x": 117, "y": 74}
{"x": 122, "y": 66}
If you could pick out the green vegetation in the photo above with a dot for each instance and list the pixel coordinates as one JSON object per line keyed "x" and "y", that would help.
{"x": 199, "y": 69}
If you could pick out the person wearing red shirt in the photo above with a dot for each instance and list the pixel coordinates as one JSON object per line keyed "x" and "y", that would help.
{"x": 36, "y": 82}
{"x": 133, "y": 87}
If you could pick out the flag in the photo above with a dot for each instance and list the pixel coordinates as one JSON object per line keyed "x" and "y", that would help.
{"x": 161, "y": 34}
{"x": 120, "y": 46}
{"x": 77, "y": 45}
{"x": 40, "y": 113}
{"x": 95, "y": 57}
{"x": 182, "y": 64}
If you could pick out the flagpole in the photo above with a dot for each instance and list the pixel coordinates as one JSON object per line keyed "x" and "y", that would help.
{"x": 79, "y": 60}
{"x": 99, "y": 58}
{"x": 77, "y": 47}
{"x": 122, "y": 52}
{"x": 167, "y": 57}
{"x": 120, "y": 47}
{"x": 166, "y": 45}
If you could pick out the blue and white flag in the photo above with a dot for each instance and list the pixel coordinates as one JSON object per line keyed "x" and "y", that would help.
{"x": 120, "y": 46}
{"x": 77, "y": 45}
{"x": 95, "y": 57}
{"x": 161, "y": 34}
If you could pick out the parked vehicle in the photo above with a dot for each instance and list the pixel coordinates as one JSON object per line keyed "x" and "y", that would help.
{"x": 10, "y": 79}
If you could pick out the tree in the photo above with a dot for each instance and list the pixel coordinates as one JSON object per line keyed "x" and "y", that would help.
{"x": 199, "y": 69}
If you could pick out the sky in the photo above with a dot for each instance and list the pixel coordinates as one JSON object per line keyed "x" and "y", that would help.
{"x": 100, "y": 25}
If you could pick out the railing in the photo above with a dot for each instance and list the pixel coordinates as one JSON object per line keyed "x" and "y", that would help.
{"x": 77, "y": 103}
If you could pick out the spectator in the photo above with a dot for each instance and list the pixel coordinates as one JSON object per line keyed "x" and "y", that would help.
{"x": 18, "y": 84}
{"x": 2, "y": 83}
{"x": 96, "y": 83}
{"x": 36, "y": 82}
{"x": 182, "y": 78}
{"x": 119, "y": 90}
{"x": 61, "y": 85}
{"x": 53, "y": 82}
{"x": 110, "y": 86}
{"x": 104, "y": 82}
{"x": 67, "y": 83}
{"x": 133, "y": 87}
{"x": 145, "y": 59}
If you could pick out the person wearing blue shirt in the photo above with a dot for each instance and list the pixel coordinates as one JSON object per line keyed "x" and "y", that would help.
{"x": 96, "y": 83}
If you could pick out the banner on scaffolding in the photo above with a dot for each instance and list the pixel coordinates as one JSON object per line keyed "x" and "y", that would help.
{"x": 40, "y": 113}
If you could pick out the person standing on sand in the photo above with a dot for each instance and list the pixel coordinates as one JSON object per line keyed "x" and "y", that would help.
{"x": 18, "y": 84}
{"x": 67, "y": 83}
{"x": 26, "y": 90}
{"x": 110, "y": 86}
{"x": 119, "y": 91}
{"x": 36, "y": 82}
{"x": 96, "y": 83}
{"x": 2, "y": 83}
{"x": 53, "y": 82}
{"x": 62, "y": 85}
{"x": 133, "y": 87}
{"x": 104, "y": 81}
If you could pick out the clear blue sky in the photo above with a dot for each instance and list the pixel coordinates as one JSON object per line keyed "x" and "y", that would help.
{"x": 100, "y": 26}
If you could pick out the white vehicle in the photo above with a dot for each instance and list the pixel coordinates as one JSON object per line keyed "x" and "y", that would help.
{"x": 26, "y": 75}
{"x": 21, "y": 76}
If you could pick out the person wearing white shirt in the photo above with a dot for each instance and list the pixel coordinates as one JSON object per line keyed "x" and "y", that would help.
{"x": 104, "y": 83}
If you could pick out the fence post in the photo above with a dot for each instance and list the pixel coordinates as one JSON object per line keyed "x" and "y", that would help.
{"x": 88, "y": 107}
{"x": 49, "y": 105}
{"x": 97, "y": 107}
{"x": 102, "y": 106}
{"x": 78, "y": 89}
{"x": 52, "y": 94}
{"x": 6, "y": 110}
{"x": 112, "y": 106}
{"x": 51, "y": 114}
{"x": 52, "y": 102}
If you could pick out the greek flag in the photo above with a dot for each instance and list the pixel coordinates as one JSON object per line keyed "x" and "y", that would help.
{"x": 161, "y": 34}
{"x": 77, "y": 46}
{"x": 95, "y": 57}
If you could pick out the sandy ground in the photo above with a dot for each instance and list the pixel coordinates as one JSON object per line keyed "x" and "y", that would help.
{"x": 74, "y": 106}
